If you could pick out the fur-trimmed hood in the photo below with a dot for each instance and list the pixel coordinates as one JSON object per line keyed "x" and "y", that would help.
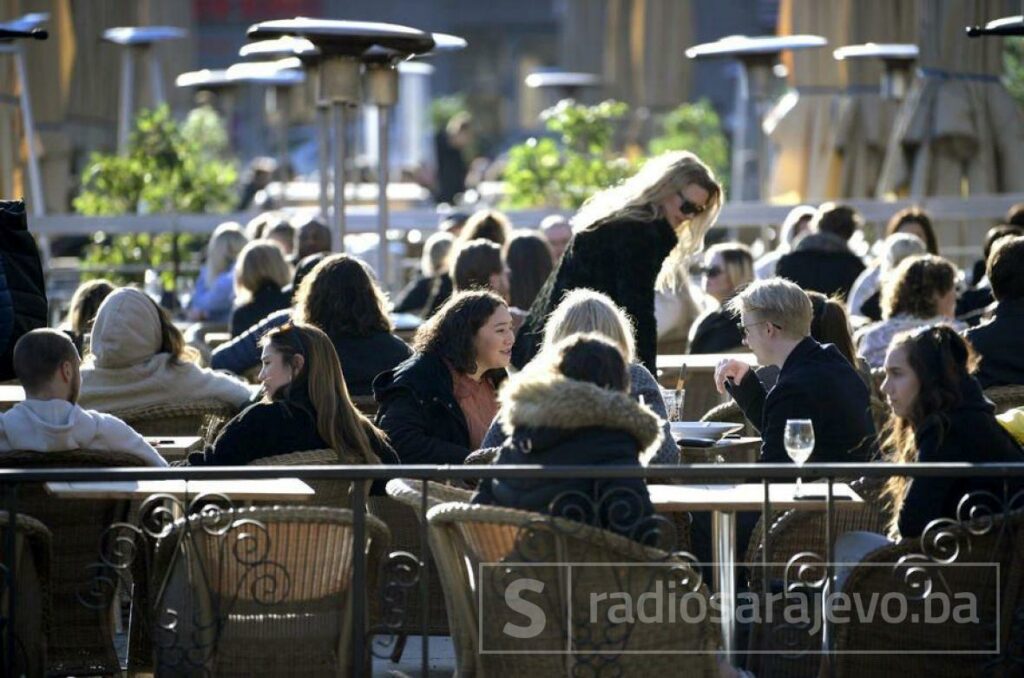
{"x": 546, "y": 401}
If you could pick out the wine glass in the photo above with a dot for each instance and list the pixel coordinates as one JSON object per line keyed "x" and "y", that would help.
{"x": 671, "y": 406}
{"x": 799, "y": 442}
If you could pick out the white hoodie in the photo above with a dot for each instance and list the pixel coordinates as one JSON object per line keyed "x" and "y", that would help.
{"x": 57, "y": 425}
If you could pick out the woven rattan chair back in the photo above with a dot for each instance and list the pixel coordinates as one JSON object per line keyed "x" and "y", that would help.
{"x": 261, "y": 592}
{"x": 1005, "y": 397}
{"x": 30, "y": 563}
{"x": 196, "y": 418}
{"x": 328, "y": 492}
{"x": 81, "y": 639}
{"x": 483, "y": 549}
{"x": 941, "y": 650}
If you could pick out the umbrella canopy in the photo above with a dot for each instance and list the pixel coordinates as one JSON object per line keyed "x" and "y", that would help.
{"x": 801, "y": 127}
{"x": 865, "y": 118}
{"x": 958, "y": 131}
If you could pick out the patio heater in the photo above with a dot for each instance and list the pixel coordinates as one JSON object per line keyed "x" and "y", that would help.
{"x": 561, "y": 84}
{"x": 757, "y": 58}
{"x": 137, "y": 42}
{"x": 341, "y": 44}
{"x": 897, "y": 59}
{"x": 277, "y": 77}
{"x": 11, "y": 32}
{"x": 380, "y": 86}
{"x": 309, "y": 60}
{"x": 1007, "y": 26}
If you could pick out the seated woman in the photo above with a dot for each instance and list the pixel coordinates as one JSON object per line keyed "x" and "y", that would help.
{"x": 570, "y": 407}
{"x": 260, "y": 274}
{"x": 866, "y": 294}
{"x": 340, "y": 297}
{"x": 920, "y": 292}
{"x": 85, "y": 302}
{"x": 433, "y": 264}
{"x": 140, "y": 359}
{"x": 215, "y": 287}
{"x": 529, "y": 262}
{"x": 437, "y": 405}
{"x": 938, "y": 415}
{"x": 305, "y": 406}
{"x": 584, "y": 311}
{"x": 727, "y": 269}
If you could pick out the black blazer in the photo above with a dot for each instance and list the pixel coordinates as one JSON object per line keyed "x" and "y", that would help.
{"x": 969, "y": 432}
{"x": 828, "y": 272}
{"x": 419, "y": 412}
{"x": 1000, "y": 345}
{"x": 621, "y": 259}
{"x": 716, "y": 331}
{"x": 267, "y": 299}
{"x": 817, "y": 383}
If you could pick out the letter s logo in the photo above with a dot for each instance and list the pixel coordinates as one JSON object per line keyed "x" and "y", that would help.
{"x": 524, "y": 607}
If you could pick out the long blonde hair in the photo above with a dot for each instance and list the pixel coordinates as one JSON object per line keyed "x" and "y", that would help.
{"x": 260, "y": 262}
{"x": 584, "y": 311}
{"x": 639, "y": 198}
{"x": 343, "y": 427}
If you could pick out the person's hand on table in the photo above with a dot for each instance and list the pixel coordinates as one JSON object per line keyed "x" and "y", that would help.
{"x": 731, "y": 369}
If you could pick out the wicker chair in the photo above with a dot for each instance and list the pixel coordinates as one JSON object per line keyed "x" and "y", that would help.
{"x": 195, "y": 418}
{"x": 1005, "y": 397}
{"x": 82, "y": 636}
{"x": 274, "y": 594}
{"x": 31, "y": 561}
{"x": 941, "y": 650}
{"x": 400, "y": 511}
{"x": 328, "y": 492}
{"x": 790, "y": 533}
{"x": 465, "y": 537}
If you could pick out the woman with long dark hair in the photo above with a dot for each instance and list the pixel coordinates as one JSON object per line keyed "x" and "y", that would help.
{"x": 623, "y": 237}
{"x": 437, "y": 405}
{"x": 305, "y": 406}
{"x": 528, "y": 258}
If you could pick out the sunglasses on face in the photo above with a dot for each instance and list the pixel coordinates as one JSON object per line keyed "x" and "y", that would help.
{"x": 745, "y": 329}
{"x": 690, "y": 208}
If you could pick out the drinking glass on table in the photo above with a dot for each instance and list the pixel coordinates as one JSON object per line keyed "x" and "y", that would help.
{"x": 799, "y": 442}
{"x": 672, "y": 409}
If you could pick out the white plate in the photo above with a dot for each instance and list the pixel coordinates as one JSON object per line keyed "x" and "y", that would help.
{"x": 706, "y": 430}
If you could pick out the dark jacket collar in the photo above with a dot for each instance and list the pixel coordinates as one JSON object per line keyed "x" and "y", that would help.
{"x": 807, "y": 348}
{"x": 423, "y": 373}
{"x": 1010, "y": 307}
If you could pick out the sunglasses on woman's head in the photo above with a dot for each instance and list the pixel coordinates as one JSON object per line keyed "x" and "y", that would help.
{"x": 690, "y": 208}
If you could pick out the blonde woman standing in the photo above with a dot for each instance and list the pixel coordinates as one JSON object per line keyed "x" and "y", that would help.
{"x": 622, "y": 237}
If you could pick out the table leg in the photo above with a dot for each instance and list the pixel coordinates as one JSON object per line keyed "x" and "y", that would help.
{"x": 723, "y": 531}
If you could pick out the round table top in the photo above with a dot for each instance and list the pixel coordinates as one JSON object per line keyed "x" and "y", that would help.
{"x": 740, "y": 45}
{"x": 346, "y": 38}
{"x": 873, "y": 50}
{"x": 143, "y": 35}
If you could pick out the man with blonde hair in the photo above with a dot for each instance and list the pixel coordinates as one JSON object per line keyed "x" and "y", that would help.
{"x": 815, "y": 381}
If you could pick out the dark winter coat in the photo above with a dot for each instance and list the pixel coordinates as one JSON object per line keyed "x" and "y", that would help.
{"x": 414, "y": 297}
{"x": 716, "y": 331}
{"x": 822, "y": 262}
{"x": 362, "y": 358}
{"x": 419, "y": 412}
{"x": 6, "y": 311}
{"x": 816, "y": 382}
{"x": 25, "y": 284}
{"x": 1000, "y": 345}
{"x": 267, "y": 299}
{"x": 969, "y": 432}
{"x": 618, "y": 258}
{"x": 563, "y": 422}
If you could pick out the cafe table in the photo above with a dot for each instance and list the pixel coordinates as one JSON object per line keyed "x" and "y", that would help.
{"x": 10, "y": 395}
{"x": 701, "y": 394}
{"x": 724, "y": 502}
{"x": 173, "y": 448}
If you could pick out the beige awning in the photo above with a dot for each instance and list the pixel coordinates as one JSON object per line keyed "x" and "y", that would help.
{"x": 801, "y": 127}
{"x": 958, "y": 131}
{"x": 865, "y": 118}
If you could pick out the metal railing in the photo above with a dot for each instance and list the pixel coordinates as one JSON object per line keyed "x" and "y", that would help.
{"x": 211, "y": 508}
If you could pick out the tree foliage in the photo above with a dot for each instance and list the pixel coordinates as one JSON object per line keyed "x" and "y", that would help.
{"x": 696, "y": 128}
